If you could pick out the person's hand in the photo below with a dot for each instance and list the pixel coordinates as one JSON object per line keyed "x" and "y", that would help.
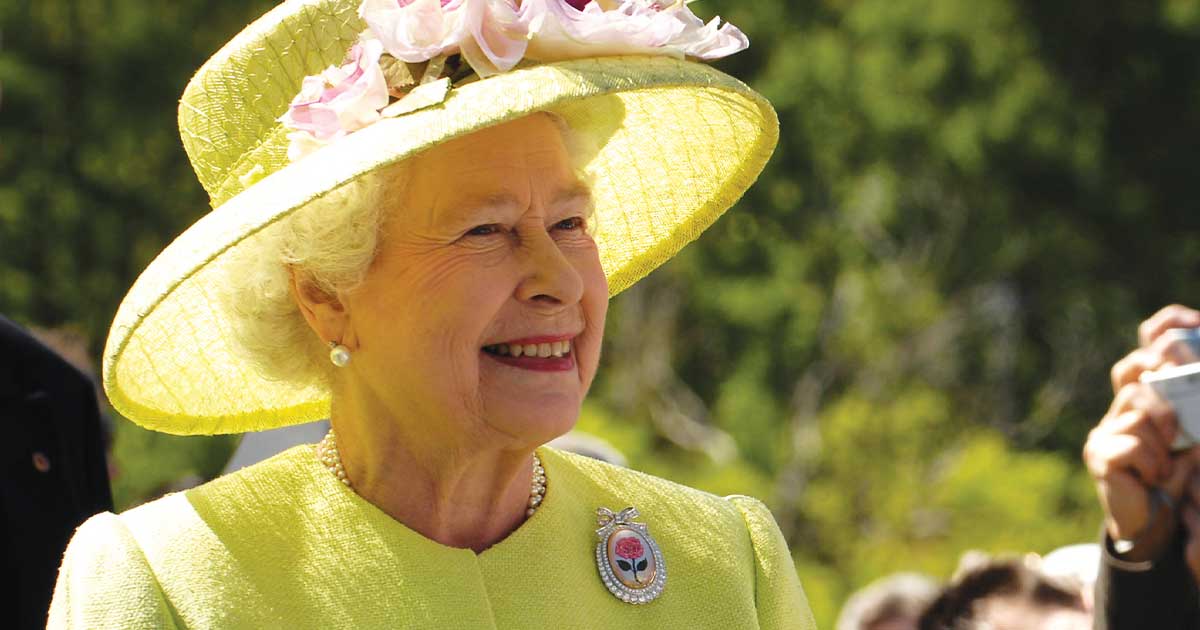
{"x": 1128, "y": 453}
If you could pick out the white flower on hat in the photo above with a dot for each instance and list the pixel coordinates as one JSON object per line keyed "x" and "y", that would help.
{"x": 490, "y": 34}
{"x": 499, "y": 36}
{"x": 338, "y": 101}
{"x": 415, "y": 30}
{"x": 713, "y": 40}
{"x": 562, "y": 29}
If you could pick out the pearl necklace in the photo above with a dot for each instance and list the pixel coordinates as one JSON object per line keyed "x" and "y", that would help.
{"x": 327, "y": 454}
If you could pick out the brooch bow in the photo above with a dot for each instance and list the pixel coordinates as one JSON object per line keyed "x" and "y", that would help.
{"x": 608, "y": 520}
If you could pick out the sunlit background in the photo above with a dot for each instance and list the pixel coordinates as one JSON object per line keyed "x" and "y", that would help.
{"x": 898, "y": 339}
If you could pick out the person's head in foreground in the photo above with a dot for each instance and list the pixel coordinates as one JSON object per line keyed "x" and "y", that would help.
{"x": 1006, "y": 594}
{"x": 894, "y": 602}
{"x": 421, "y": 208}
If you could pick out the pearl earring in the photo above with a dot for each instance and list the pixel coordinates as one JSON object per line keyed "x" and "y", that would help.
{"x": 339, "y": 355}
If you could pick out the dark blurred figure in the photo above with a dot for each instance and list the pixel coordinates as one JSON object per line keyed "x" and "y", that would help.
{"x": 55, "y": 470}
{"x": 1006, "y": 595}
{"x": 889, "y": 603}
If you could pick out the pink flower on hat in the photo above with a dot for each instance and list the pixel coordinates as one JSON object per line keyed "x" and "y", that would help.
{"x": 562, "y": 29}
{"x": 338, "y": 101}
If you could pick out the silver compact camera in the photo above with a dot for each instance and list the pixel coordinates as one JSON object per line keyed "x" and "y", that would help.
{"x": 1179, "y": 385}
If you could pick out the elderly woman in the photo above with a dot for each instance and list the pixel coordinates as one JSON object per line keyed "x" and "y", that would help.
{"x": 420, "y": 241}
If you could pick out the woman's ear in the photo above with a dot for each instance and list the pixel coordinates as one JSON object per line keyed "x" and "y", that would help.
{"x": 324, "y": 312}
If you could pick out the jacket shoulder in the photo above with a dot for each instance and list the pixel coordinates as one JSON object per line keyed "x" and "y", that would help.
{"x": 105, "y": 581}
{"x": 237, "y": 501}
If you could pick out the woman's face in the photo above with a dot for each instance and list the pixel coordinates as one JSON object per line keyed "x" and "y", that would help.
{"x": 485, "y": 249}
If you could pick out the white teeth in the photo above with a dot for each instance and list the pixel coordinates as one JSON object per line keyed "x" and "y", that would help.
{"x": 541, "y": 350}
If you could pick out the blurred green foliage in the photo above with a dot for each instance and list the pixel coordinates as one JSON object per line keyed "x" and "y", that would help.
{"x": 898, "y": 339}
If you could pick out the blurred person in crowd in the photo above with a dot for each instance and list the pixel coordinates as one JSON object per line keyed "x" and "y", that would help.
{"x": 1150, "y": 493}
{"x": 72, "y": 347}
{"x": 1076, "y": 566}
{"x": 55, "y": 468}
{"x": 417, "y": 238}
{"x": 1005, "y": 594}
{"x": 894, "y": 602}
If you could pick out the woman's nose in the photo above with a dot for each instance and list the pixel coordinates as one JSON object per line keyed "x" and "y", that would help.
{"x": 550, "y": 278}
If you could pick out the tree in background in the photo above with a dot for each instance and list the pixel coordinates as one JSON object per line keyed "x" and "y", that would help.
{"x": 899, "y": 338}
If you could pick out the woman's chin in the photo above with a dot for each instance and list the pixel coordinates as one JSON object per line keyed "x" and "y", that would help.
{"x": 534, "y": 424}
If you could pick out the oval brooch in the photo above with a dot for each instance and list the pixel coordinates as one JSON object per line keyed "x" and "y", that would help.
{"x": 630, "y": 562}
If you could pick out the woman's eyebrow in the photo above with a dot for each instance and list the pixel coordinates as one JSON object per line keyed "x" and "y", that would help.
{"x": 486, "y": 208}
{"x": 504, "y": 202}
{"x": 576, "y": 192}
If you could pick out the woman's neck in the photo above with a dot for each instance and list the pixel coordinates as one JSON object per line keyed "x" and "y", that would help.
{"x": 447, "y": 488}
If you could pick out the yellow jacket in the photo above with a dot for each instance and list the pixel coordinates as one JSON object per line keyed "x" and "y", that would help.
{"x": 283, "y": 545}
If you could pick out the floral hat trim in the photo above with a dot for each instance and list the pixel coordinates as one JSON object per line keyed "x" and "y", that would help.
{"x": 414, "y": 51}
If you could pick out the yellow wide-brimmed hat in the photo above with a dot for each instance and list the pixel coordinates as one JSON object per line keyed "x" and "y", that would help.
{"x": 676, "y": 144}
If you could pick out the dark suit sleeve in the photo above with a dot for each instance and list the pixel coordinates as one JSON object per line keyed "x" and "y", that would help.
{"x": 1160, "y": 595}
{"x": 88, "y": 462}
{"x": 54, "y": 470}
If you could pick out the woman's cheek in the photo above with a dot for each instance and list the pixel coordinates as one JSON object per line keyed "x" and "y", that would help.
{"x": 595, "y": 313}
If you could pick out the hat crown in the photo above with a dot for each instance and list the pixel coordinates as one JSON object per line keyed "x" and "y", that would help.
{"x": 228, "y": 114}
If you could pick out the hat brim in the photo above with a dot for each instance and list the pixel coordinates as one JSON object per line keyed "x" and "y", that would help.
{"x": 678, "y": 143}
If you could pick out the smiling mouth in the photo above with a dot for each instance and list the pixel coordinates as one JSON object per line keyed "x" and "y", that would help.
{"x": 534, "y": 354}
{"x": 556, "y": 349}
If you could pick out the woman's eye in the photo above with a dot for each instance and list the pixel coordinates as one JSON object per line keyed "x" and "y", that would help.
{"x": 484, "y": 230}
{"x": 574, "y": 223}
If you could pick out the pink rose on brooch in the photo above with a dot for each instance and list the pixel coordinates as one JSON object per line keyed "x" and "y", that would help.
{"x": 631, "y": 549}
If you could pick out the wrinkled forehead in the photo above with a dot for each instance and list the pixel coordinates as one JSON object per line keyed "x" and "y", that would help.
{"x": 497, "y": 171}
